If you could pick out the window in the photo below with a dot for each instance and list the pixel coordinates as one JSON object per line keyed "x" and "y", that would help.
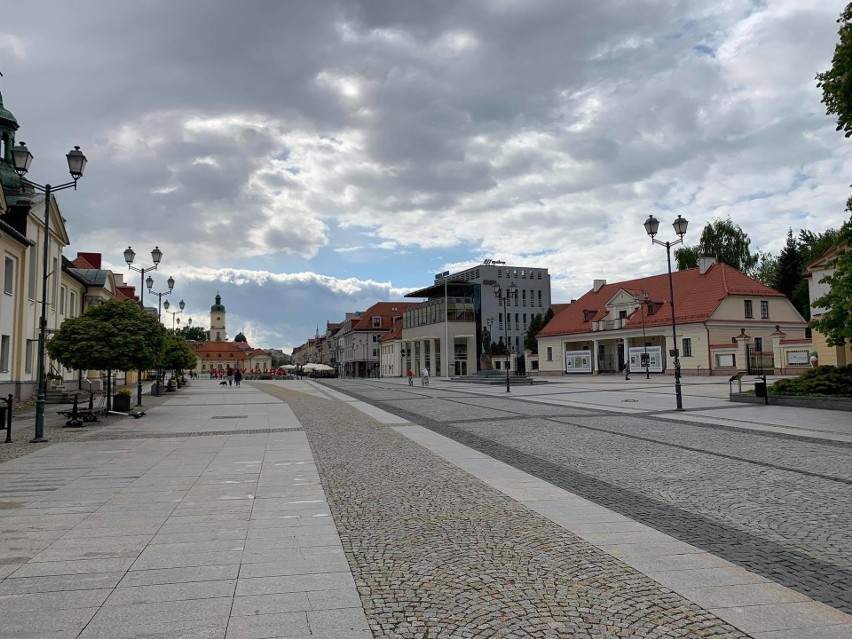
{"x": 377, "y": 322}
{"x": 28, "y": 358}
{"x": 539, "y": 293}
{"x": 687, "y": 347}
{"x": 62, "y": 291}
{"x": 4, "y": 354}
{"x": 9, "y": 276}
{"x": 72, "y": 304}
{"x": 524, "y": 296}
{"x": 749, "y": 312}
{"x": 549, "y": 353}
{"x": 523, "y": 275}
{"x": 764, "y": 309}
{"x": 758, "y": 344}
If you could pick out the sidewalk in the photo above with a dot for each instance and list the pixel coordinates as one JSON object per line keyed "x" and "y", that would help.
{"x": 298, "y": 512}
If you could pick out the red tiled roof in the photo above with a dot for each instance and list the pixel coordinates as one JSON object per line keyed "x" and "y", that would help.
{"x": 81, "y": 262}
{"x": 395, "y": 332}
{"x": 723, "y": 345}
{"x": 697, "y": 297}
{"x": 386, "y": 310}
{"x": 795, "y": 341}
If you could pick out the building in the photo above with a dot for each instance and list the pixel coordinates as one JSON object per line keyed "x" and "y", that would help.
{"x": 726, "y": 322}
{"x": 462, "y": 311}
{"x": 815, "y": 272}
{"x": 217, "y": 355}
{"x": 359, "y": 338}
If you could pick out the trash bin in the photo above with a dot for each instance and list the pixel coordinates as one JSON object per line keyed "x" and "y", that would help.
{"x": 2, "y": 418}
{"x": 760, "y": 389}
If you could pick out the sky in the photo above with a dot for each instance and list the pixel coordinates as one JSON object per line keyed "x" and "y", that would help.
{"x": 306, "y": 159}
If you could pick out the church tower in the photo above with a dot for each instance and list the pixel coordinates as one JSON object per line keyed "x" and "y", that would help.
{"x": 217, "y": 321}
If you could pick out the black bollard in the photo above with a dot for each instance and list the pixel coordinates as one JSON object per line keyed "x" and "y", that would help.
{"x": 9, "y": 401}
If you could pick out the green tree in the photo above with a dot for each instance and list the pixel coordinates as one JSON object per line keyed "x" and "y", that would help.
{"x": 112, "y": 336}
{"x": 177, "y": 355}
{"x": 195, "y": 333}
{"x": 836, "y": 83}
{"x": 789, "y": 269}
{"x": 723, "y": 240}
{"x": 766, "y": 270}
{"x": 836, "y": 322}
{"x": 537, "y": 323}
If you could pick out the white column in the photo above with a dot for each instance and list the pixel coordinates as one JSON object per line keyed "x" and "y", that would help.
{"x": 595, "y": 363}
{"x": 422, "y": 361}
{"x": 433, "y": 371}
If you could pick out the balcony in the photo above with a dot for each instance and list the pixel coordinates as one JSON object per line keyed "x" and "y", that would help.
{"x": 609, "y": 325}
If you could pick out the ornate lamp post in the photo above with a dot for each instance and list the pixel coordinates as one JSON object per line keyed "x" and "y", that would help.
{"x": 21, "y": 160}
{"x": 174, "y": 314}
{"x": 511, "y": 291}
{"x": 150, "y": 284}
{"x": 652, "y": 225}
{"x": 129, "y": 256}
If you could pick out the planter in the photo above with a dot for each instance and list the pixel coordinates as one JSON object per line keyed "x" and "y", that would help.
{"x": 121, "y": 403}
{"x": 825, "y": 403}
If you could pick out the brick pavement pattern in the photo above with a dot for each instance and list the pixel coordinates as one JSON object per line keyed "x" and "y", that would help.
{"x": 435, "y": 551}
{"x": 775, "y": 505}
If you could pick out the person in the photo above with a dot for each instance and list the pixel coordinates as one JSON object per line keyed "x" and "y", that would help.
{"x": 425, "y": 373}
{"x": 410, "y": 378}
{"x": 238, "y": 376}
{"x": 229, "y": 374}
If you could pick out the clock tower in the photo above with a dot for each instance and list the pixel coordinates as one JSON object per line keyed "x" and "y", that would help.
{"x": 217, "y": 321}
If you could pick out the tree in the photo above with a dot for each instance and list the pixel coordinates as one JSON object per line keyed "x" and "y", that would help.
{"x": 195, "y": 333}
{"x": 723, "y": 240}
{"x": 537, "y": 323}
{"x": 789, "y": 268}
{"x": 112, "y": 336}
{"x": 836, "y": 322}
{"x": 836, "y": 83}
{"x": 177, "y": 355}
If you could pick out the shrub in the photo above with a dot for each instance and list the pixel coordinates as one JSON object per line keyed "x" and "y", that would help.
{"x": 822, "y": 381}
{"x": 124, "y": 391}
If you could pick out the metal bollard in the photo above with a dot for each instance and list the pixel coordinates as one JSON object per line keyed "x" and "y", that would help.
{"x": 8, "y": 410}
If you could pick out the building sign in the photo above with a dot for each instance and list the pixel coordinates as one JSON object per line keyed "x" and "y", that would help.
{"x": 655, "y": 359}
{"x": 798, "y": 358}
{"x": 578, "y": 361}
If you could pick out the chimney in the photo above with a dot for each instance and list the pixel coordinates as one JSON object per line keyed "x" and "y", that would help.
{"x": 598, "y": 285}
{"x": 92, "y": 258}
{"x": 704, "y": 263}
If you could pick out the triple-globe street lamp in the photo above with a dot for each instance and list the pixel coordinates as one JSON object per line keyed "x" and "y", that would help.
{"x": 150, "y": 284}
{"x": 129, "y": 256}
{"x": 174, "y": 314}
{"x": 652, "y": 225}
{"x": 21, "y": 160}
{"x": 511, "y": 291}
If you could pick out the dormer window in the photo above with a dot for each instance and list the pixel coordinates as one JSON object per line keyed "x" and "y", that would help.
{"x": 650, "y": 308}
{"x": 377, "y": 322}
{"x": 587, "y": 315}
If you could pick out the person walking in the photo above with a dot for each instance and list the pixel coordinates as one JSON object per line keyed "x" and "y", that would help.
{"x": 410, "y": 378}
{"x": 425, "y": 373}
{"x": 238, "y": 377}
{"x": 229, "y": 375}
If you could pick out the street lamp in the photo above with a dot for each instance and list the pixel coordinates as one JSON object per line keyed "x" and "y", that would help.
{"x": 181, "y": 305}
{"x": 149, "y": 282}
{"x": 511, "y": 291}
{"x": 652, "y": 225}
{"x": 21, "y": 160}
{"x": 129, "y": 256}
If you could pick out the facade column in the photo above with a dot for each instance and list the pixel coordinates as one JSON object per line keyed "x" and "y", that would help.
{"x": 777, "y": 352}
{"x": 421, "y": 363}
{"x": 595, "y": 364}
{"x": 433, "y": 370}
{"x": 742, "y": 356}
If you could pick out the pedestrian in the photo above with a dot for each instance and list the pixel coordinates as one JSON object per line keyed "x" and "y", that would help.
{"x": 238, "y": 376}
{"x": 410, "y": 378}
{"x": 229, "y": 374}
{"x": 425, "y": 374}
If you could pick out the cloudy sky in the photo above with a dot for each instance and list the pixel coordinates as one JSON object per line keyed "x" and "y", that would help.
{"x": 309, "y": 158}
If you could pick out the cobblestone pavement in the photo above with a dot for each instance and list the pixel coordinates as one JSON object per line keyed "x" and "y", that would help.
{"x": 776, "y": 505}
{"x": 435, "y": 551}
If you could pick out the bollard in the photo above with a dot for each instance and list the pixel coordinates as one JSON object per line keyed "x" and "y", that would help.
{"x": 8, "y": 410}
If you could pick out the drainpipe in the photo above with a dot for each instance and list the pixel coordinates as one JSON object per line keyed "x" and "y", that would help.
{"x": 709, "y": 354}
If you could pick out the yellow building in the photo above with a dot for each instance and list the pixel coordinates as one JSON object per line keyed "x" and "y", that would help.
{"x": 817, "y": 270}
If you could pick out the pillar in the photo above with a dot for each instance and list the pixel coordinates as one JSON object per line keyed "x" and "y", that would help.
{"x": 595, "y": 368}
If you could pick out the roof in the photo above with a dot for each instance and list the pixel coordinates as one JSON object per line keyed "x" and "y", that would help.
{"x": 395, "y": 332}
{"x": 387, "y": 311}
{"x": 821, "y": 263}
{"x": 455, "y": 288}
{"x": 91, "y": 276}
{"x": 697, "y": 296}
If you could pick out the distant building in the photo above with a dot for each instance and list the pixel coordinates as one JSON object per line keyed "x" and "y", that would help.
{"x": 218, "y": 354}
